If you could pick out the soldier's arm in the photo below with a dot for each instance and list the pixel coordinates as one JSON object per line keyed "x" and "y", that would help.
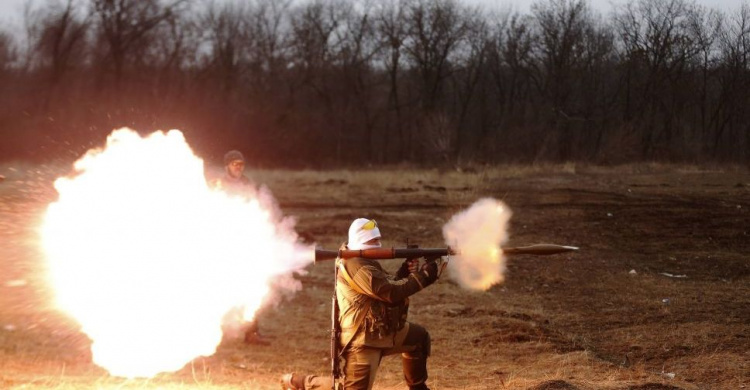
{"x": 382, "y": 286}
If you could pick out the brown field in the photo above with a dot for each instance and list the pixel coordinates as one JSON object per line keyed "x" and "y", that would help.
{"x": 607, "y": 317}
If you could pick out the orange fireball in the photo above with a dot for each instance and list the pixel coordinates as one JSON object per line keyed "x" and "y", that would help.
{"x": 477, "y": 234}
{"x": 148, "y": 258}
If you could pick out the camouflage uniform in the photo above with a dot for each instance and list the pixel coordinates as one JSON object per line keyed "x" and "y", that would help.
{"x": 373, "y": 325}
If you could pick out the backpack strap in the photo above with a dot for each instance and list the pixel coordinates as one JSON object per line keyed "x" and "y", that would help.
{"x": 360, "y": 320}
{"x": 343, "y": 272}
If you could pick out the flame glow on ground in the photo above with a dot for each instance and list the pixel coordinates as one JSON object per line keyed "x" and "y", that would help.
{"x": 149, "y": 259}
{"x": 477, "y": 234}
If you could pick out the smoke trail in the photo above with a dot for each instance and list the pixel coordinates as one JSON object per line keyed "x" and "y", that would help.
{"x": 477, "y": 234}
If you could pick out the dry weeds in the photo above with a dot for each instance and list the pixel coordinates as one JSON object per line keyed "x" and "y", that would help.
{"x": 580, "y": 321}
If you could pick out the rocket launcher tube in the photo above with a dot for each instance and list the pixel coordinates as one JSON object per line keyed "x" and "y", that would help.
{"x": 410, "y": 253}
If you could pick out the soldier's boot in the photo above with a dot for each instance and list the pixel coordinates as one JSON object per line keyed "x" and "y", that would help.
{"x": 415, "y": 362}
{"x": 292, "y": 382}
{"x": 415, "y": 371}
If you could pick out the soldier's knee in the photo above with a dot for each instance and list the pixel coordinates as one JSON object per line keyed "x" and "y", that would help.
{"x": 426, "y": 345}
{"x": 420, "y": 338}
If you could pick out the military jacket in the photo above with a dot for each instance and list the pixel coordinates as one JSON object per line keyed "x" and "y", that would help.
{"x": 235, "y": 186}
{"x": 372, "y": 316}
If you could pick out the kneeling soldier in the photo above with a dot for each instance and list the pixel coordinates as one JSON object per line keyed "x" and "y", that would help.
{"x": 373, "y": 306}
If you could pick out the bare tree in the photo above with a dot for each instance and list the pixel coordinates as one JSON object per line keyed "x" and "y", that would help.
{"x": 7, "y": 52}
{"x": 510, "y": 63}
{"x": 703, "y": 27}
{"x": 176, "y": 44}
{"x": 597, "y": 89}
{"x": 470, "y": 64}
{"x": 313, "y": 26}
{"x": 561, "y": 24}
{"x": 269, "y": 24}
{"x": 658, "y": 48}
{"x": 313, "y": 34}
{"x": 392, "y": 29}
{"x": 354, "y": 47}
{"x": 227, "y": 31}
{"x": 437, "y": 29}
{"x": 61, "y": 43}
{"x": 123, "y": 28}
{"x": 8, "y": 94}
{"x": 428, "y": 81}
{"x": 731, "y": 117}
{"x": 561, "y": 41}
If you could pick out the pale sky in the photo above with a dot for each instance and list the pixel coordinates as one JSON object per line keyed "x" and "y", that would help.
{"x": 11, "y": 10}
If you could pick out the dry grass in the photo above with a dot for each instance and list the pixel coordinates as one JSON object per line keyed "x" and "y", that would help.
{"x": 578, "y": 321}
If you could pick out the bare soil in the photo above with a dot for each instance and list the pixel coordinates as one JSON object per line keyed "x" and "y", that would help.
{"x": 658, "y": 297}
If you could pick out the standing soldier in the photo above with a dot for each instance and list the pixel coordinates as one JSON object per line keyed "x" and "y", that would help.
{"x": 373, "y": 306}
{"x": 235, "y": 182}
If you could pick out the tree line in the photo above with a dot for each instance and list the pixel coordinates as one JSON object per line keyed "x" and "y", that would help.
{"x": 357, "y": 82}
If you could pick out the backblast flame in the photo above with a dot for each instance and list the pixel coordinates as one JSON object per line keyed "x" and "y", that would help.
{"x": 149, "y": 259}
{"x": 477, "y": 234}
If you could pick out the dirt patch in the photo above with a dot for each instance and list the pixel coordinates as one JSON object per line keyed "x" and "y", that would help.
{"x": 654, "y": 386}
{"x": 554, "y": 385}
{"x": 606, "y": 317}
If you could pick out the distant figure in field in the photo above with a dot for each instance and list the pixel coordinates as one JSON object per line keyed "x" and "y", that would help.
{"x": 235, "y": 182}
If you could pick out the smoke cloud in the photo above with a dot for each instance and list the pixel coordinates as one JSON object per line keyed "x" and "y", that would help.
{"x": 149, "y": 259}
{"x": 477, "y": 233}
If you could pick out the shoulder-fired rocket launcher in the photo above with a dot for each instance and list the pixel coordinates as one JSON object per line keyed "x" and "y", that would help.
{"x": 411, "y": 253}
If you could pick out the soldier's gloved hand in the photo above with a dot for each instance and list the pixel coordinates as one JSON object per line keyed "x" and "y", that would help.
{"x": 407, "y": 267}
{"x": 413, "y": 265}
{"x": 429, "y": 272}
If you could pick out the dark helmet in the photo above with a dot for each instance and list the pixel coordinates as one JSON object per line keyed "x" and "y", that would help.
{"x": 233, "y": 155}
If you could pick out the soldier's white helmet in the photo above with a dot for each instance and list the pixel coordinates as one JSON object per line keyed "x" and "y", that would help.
{"x": 361, "y": 231}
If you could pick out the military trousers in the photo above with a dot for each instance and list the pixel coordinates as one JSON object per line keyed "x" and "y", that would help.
{"x": 361, "y": 363}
